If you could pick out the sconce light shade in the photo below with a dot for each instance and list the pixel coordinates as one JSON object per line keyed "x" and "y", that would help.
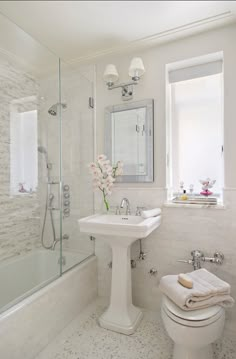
{"x": 110, "y": 74}
{"x": 136, "y": 69}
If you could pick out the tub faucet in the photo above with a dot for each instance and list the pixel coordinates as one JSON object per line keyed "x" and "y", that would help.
{"x": 125, "y": 201}
{"x": 65, "y": 237}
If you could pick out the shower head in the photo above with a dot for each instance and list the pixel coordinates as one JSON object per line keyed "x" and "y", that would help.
{"x": 53, "y": 109}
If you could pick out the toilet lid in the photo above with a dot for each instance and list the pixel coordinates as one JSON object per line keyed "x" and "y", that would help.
{"x": 191, "y": 315}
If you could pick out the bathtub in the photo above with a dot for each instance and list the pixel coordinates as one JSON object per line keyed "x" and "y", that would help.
{"x": 38, "y": 303}
{"x": 26, "y": 274}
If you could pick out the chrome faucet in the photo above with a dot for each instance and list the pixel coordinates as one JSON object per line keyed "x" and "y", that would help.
{"x": 125, "y": 201}
{"x": 65, "y": 237}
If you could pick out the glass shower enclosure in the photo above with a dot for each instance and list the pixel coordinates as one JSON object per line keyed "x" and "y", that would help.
{"x": 46, "y": 142}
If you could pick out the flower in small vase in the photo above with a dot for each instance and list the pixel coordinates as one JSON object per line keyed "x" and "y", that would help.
{"x": 206, "y": 184}
{"x": 104, "y": 176}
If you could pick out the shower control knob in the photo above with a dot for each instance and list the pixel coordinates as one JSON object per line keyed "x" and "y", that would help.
{"x": 66, "y": 212}
{"x": 66, "y": 200}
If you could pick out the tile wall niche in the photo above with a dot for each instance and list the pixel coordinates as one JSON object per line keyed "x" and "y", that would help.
{"x": 19, "y": 214}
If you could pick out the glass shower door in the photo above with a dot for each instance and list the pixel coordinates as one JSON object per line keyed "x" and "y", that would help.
{"x": 77, "y": 153}
{"x": 30, "y": 164}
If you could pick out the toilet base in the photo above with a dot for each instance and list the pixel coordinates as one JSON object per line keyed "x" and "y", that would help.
{"x": 181, "y": 352}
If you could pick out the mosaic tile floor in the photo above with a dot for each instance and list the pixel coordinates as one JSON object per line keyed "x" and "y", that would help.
{"x": 84, "y": 339}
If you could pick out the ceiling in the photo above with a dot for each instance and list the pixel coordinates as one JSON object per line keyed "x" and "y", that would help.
{"x": 76, "y": 30}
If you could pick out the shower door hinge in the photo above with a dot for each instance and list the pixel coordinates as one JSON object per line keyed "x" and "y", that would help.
{"x": 91, "y": 102}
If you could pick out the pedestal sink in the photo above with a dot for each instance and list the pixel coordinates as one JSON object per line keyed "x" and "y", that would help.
{"x": 120, "y": 232}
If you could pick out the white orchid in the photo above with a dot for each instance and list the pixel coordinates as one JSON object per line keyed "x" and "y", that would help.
{"x": 104, "y": 175}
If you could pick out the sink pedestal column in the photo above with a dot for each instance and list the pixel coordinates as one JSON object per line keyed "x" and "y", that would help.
{"x": 121, "y": 316}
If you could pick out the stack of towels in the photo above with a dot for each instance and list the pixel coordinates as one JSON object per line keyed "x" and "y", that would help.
{"x": 196, "y": 290}
{"x": 151, "y": 213}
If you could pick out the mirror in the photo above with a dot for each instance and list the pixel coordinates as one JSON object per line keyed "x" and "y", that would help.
{"x": 129, "y": 138}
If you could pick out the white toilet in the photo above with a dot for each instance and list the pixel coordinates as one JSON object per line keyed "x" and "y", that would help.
{"x": 194, "y": 331}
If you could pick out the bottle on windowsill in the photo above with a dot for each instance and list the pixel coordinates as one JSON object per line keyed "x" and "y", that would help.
{"x": 184, "y": 196}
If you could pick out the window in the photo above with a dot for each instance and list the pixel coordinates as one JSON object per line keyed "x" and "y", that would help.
{"x": 195, "y": 127}
{"x": 24, "y": 155}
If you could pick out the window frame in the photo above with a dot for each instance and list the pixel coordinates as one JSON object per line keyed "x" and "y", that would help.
{"x": 169, "y": 119}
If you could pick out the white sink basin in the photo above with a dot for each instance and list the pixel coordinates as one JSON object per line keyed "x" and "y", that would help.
{"x": 120, "y": 232}
{"x": 123, "y": 226}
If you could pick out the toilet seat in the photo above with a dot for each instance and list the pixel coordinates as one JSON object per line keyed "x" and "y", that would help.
{"x": 192, "y": 318}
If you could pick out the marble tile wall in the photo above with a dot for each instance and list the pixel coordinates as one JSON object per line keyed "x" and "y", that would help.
{"x": 19, "y": 215}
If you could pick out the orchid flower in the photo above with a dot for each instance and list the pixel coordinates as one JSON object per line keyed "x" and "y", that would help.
{"x": 104, "y": 175}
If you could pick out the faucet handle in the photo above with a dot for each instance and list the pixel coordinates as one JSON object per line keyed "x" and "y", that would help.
{"x": 139, "y": 210}
{"x": 117, "y": 210}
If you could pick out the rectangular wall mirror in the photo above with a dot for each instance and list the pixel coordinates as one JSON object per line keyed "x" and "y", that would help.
{"x": 129, "y": 138}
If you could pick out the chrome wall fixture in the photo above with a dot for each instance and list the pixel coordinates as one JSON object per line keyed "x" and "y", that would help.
{"x": 66, "y": 200}
{"x": 198, "y": 257}
{"x": 136, "y": 70}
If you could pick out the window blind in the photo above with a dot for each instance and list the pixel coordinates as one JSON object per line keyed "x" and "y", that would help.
{"x": 196, "y": 71}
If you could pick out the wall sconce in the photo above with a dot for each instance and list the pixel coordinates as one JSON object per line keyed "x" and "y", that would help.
{"x": 136, "y": 70}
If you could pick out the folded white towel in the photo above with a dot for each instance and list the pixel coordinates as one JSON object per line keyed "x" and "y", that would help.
{"x": 207, "y": 290}
{"x": 151, "y": 213}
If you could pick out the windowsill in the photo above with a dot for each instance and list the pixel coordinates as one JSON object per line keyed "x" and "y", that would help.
{"x": 194, "y": 206}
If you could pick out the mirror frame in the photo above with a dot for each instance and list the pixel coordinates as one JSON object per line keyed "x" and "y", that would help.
{"x": 149, "y": 104}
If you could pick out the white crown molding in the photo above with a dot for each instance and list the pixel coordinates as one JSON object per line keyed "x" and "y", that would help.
{"x": 216, "y": 21}
{"x": 189, "y": 29}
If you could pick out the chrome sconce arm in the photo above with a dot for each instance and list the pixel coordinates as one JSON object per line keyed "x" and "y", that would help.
{"x": 136, "y": 70}
{"x": 127, "y": 89}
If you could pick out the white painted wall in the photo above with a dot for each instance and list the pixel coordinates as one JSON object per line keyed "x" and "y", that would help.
{"x": 182, "y": 229}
